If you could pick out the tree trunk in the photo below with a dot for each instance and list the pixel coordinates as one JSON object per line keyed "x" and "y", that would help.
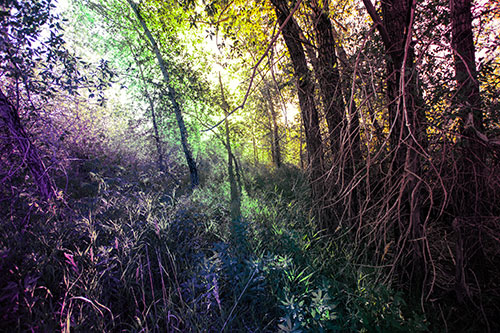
{"x": 9, "y": 117}
{"x": 234, "y": 188}
{"x": 156, "y": 132}
{"x": 327, "y": 73}
{"x": 153, "y": 112}
{"x": 254, "y": 144}
{"x": 193, "y": 170}
{"x": 468, "y": 102}
{"x": 275, "y": 139}
{"x": 407, "y": 132}
{"x": 305, "y": 87}
{"x": 346, "y": 80}
{"x": 271, "y": 137}
{"x": 235, "y": 194}
{"x": 301, "y": 149}
{"x": 343, "y": 127}
{"x": 467, "y": 202}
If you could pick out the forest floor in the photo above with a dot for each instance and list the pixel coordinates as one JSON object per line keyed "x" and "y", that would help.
{"x": 129, "y": 252}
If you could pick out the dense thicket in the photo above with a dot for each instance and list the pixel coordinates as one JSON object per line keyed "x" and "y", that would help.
{"x": 250, "y": 165}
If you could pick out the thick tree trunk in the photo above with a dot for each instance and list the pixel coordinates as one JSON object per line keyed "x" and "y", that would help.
{"x": 407, "y": 132}
{"x": 291, "y": 34}
{"x": 327, "y": 73}
{"x": 193, "y": 170}
{"x": 468, "y": 102}
{"x": 467, "y": 199}
{"x": 346, "y": 79}
{"x": 396, "y": 15}
{"x": 467, "y": 94}
{"x": 343, "y": 127}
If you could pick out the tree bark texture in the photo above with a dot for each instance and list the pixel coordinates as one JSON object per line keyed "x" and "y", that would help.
{"x": 291, "y": 33}
{"x": 327, "y": 73}
{"x": 193, "y": 170}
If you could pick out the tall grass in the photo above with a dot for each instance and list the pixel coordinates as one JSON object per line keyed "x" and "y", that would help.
{"x": 128, "y": 253}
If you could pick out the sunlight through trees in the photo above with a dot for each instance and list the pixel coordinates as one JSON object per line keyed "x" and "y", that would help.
{"x": 249, "y": 165}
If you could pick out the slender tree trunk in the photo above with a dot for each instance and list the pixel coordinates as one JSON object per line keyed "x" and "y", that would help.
{"x": 153, "y": 112}
{"x": 301, "y": 149}
{"x": 239, "y": 177}
{"x": 156, "y": 132}
{"x": 193, "y": 170}
{"x": 276, "y": 136}
{"x": 271, "y": 137}
{"x": 275, "y": 139}
{"x": 235, "y": 195}
{"x": 254, "y": 144}
{"x": 234, "y": 188}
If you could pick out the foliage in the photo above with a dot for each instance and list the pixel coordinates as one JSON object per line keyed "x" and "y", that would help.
{"x": 125, "y": 244}
{"x": 131, "y": 253}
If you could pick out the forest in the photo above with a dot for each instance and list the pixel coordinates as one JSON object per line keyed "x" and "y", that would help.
{"x": 249, "y": 166}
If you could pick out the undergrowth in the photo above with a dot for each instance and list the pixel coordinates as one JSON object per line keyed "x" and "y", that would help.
{"x": 129, "y": 252}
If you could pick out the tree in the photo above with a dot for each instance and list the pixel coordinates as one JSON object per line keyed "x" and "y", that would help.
{"x": 342, "y": 126}
{"x": 18, "y": 139}
{"x": 406, "y": 121}
{"x": 472, "y": 153}
{"x": 275, "y": 137}
{"x": 148, "y": 96}
{"x": 235, "y": 191}
{"x": 33, "y": 70}
{"x": 305, "y": 89}
{"x": 172, "y": 94}
{"x": 467, "y": 100}
{"x": 327, "y": 73}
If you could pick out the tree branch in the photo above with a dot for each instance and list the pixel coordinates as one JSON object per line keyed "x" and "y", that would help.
{"x": 378, "y": 22}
